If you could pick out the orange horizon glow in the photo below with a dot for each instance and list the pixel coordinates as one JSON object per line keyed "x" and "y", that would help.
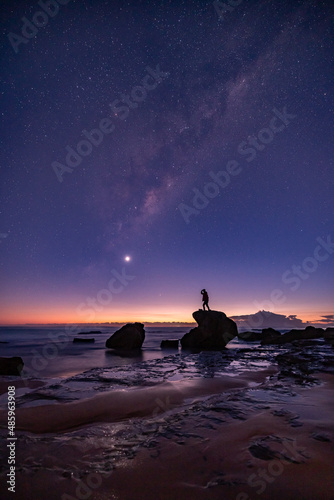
{"x": 75, "y": 308}
{"x": 162, "y": 315}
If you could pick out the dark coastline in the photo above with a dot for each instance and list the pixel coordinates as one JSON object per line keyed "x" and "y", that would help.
{"x": 274, "y": 401}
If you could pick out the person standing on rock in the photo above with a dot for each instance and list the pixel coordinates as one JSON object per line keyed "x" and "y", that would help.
{"x": 205, "y": 298}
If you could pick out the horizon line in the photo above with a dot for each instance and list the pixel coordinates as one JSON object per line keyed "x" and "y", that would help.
{"x": 237, "y": 318}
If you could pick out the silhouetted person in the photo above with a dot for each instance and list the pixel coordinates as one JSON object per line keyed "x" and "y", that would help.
{"x": 205, "y": 298}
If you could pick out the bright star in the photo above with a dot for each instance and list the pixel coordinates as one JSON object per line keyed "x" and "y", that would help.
{"x": 127, "y": 258}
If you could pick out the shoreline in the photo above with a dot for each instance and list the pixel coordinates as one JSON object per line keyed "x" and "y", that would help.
{"x": 239, "y": 425}
{"x": 229, "y": 444}
{"x": 115, "y": 406}
{"x": 221, "y": 466}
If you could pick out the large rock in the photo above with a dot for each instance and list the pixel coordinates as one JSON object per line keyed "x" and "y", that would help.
{"x": 213, "y": 332}
{"x": 130, "y": 336}
{"x": 270, "y": 333}
{"x": 258, "y": 336}
{"x": 329, "y": 333}
{"x": 89, "y": 333}
{"x": 11, "y": 366}
{"x": 309, "y": 333}
{"x": 78, "y": 340}
{"x": 169, "y": 344}
{"x": 250, "y": 336}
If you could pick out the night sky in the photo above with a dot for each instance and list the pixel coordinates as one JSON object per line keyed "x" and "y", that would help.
{"x": 152, "y": 149}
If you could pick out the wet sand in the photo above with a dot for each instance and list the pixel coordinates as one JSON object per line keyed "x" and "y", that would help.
{"x": 239, "y": 438}
{"x": 221, "y": 464}
{"x": 124, "y": 404}
{"x": 19, "y": 384}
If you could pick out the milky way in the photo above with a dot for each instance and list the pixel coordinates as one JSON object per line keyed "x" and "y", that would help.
{"x": 193, "y": 138}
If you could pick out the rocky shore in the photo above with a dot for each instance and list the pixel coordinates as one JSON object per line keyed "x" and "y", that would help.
{"x": 201, "y": 424}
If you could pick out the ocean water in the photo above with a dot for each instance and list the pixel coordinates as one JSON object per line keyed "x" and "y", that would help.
{"x": 70, "y": 371}
{"x": 73, "y": 371}
{"x": 50, "y": 352}
{"x": 128, "y": 404}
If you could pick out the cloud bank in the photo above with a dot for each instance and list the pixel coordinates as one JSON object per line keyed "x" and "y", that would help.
{"x": 267, "y": 319}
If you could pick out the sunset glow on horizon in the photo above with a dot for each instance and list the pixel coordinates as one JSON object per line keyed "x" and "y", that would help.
{"x": 169, "y": 314}
{"x": 167, "y": 152}
{"x": 167, "y": 249}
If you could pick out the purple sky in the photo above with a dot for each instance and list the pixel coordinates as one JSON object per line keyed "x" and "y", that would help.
{"x": 210, "y": 165}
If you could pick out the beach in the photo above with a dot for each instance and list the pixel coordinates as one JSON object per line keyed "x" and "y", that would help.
{"x": 167, "y": 250}
{"x": 240, "y": 424}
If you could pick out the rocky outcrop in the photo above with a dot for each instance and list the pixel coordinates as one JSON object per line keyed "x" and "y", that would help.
{"x": 11, "y": 366}
{"x": 130, "y": 336}
{"x": 250, "y": 336}
{"x": 258, "y": 336}
{"x": 169, "y": 344}
{"x": 90, "y": 333}
{"x": 310, "y": 332}
{"x": 213, "y": 332}
{"x": 269, "y": 333}
{"x": 329, "y": 334}
{"x": 77, "y": 340}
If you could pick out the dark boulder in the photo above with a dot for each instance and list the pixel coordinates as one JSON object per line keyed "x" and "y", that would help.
{"x": 89, "y": 333}
{"x": 213, "y": 332}
{"x": 250, "y": 336}
{"x": 169, "y": 344}
{"x": 77, "y": 340}
{"x": 11, "y": 366}
{"x": 270, "y": 333}
{"x": 310, "y": 332}
{"x": 130, "y": 336}
{"x": 258, "y": 336}
{"x": 329, "y": 334}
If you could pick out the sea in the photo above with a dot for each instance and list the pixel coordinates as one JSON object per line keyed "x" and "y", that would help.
{"x": 49, "y": 354}
{"x": 124, "y": 404}
{"x": 49, "y": 351}
{"x": 72, "y": 371}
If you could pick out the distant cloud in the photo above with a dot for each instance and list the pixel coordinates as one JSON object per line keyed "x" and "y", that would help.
{"x": 327, "y": 319}
{"x": 267, "y": 319}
